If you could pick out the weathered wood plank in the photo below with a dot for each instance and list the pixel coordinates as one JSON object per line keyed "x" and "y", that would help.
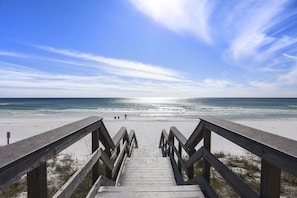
{"x": 235, "y": 182}
{"x": 148, "y": 188}
{"x": 195, "y": 137}
{"x": 151, "y": 194}
{"x": 181, "y": 161}
{"x": 105, "y": 138}
{"x": 270, "y": 180}
{"x": 133, "y": 143}
{"x": 23, "y": 156}
{"x": 119, "y": 136}
{"x": 148, "y": 177}
{"x": 204, "y": 186}
{"x": 277, "y": 150}
{"x": 133, "y": 136}
{"x": 119, "y": 161}
{"x": 121, "y": 169}
{"x": 104, "y": 157}
{"x": 73, "y": 182}
{"x": 139, "y": 153}
{"x": 147, "y": 171}
{"x": 95, "y": 146}
{"x": 181, "y": 138}
{"x": 195, "y": 157}
{"x": 206, "y": 146}
{"x": 151, "y": 191}
{"x": 164, "y": 138}
{"x": 100, "y": 181}
{"x": 37, "y": 182}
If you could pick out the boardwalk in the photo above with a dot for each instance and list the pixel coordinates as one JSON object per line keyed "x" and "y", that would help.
{"x": 148, "y": 174}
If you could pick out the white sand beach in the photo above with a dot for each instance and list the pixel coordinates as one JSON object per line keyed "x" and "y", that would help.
{"x": 147, "y": 131}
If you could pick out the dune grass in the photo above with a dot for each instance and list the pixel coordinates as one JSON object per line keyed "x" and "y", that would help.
{"x": 61, "y": 167}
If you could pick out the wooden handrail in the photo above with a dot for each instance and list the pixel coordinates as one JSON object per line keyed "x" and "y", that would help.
{"x": 29, "y": 156}
{"x": 277, "y": 153}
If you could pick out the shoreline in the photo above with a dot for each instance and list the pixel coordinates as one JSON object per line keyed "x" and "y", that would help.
{"x": 147, "y": 131}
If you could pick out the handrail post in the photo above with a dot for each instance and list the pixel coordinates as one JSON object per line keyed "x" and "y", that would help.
{"x": 95, "y": 146}
{"x": 191, "y": 168}
{"x": 108, "y": 173}
{"x": 37, "y": 182}
{"x": 180, "y": 154}
{"x": 166, "y": 147}
{"x": 206, "y": 165}
{"x": 270, "y": 180}
{"x": 118, "y": 149}
{"x": 171, "y": 149}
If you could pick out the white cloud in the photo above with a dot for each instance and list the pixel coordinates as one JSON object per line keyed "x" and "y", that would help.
{"x": 216, "y": 84}
{"x": 284, "y": 80}
{"x": 122, "y": 67}
{"x": 147, "y": 80}
{"x": 267, "y": 86}
{"x": 189, "y": 16}
{"x": 24, "y": 80}
{"x": 109, "y": 77}
{"x": 254, "y": 28}
{"x": 246, "y": 45}
{"x": 13, "y": 54}
{"x": 289, "y": 78}
{"x": 279, "y": 44}
{"x": 251, "y": 32}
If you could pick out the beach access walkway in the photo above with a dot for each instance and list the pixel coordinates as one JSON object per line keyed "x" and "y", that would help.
{"x": 120, "y": 169}
{"x": 148, "y": 174}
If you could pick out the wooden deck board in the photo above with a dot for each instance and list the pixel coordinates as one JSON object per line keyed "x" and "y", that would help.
{"x": 151, "y": 191}
{"x": 148, "y": 174}
{"x": 147, "y": 171}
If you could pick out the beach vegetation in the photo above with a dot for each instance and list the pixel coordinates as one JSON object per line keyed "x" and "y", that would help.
{"x": 248, "y": 167}
{"x": 15, "y": 189}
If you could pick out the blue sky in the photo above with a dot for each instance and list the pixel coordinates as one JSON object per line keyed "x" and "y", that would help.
{"x": 148, "y": 48}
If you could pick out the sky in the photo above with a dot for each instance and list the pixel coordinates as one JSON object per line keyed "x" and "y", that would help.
{"x": 148, "y": 48}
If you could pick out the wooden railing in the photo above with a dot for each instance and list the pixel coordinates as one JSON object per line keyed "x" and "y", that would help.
{"x": 29, "y": 157}
{"x": 277, "y": 153}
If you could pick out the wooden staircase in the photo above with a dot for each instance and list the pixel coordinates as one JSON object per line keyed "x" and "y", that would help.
{"x": 148, "y": 174}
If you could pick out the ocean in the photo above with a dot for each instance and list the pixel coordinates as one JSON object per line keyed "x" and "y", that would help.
{"x": 153, "y": 108}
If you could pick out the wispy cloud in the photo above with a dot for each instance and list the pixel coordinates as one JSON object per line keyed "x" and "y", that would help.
{"x": 116, "y": 77}
{"x": 104, "y": 76}
{"x": 216, "y": 84}
{"x": 262, "y": 85}
{"x": 13, "y": 54}
{"x": 122, "y": 67}
{"x": 251, "y": 33}
{"x": 284, "y": 80}
{"x": 182, "y": 16}
{"x": 290, "y": 78}
{"x": 37, "y": 83}
{"x": 251, "y": 20}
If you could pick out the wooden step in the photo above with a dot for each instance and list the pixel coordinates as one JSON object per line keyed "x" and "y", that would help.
{"x": 146, "y": 153}
{"x": 150, "y": 191}
{"x": 148, "y": 174}
{"x": 147, "y": 171}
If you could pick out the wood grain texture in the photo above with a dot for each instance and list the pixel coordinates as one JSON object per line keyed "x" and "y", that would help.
{"x": 277, "y": 150}
{"x": 21, "y": 157}
{"x": 151, "y": 191}
{"x": 148, "y": 174}
{"x": 277, "y": 153}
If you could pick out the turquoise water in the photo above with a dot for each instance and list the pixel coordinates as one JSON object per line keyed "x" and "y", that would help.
{"x": 154, "y": 108}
